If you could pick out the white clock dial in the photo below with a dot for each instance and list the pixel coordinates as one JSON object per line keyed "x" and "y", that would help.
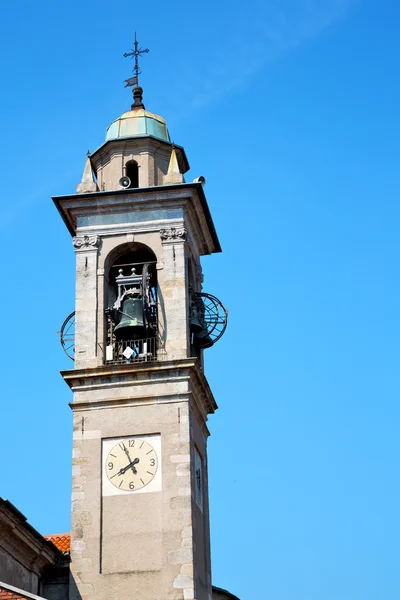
{"x": 131, "y": 464}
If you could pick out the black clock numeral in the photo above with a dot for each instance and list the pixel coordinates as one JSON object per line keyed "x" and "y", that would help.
{"x": 131, "y": 443}
{"x": 152, "y": 462}
{"x": 131, "y": 485}
{"x": 110, "y": 466}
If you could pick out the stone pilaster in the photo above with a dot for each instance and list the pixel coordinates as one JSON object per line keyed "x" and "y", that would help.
{"x": 86, "y": 248}
{"x": 175, "y": 292}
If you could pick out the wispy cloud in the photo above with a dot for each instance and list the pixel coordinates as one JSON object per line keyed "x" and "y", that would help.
{"x": 251, "y": 37}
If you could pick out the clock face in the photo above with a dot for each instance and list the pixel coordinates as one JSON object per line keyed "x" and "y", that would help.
{"x": 131, "y": 464}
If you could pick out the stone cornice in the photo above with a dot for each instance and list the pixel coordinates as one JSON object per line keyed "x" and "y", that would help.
{"x": 190, "y": 197}
{"x": 107, "y": 377}
{"x": 23, "y": 539}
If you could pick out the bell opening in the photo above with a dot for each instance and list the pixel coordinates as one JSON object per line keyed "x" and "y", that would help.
{"x": 132, "y": 304}
{"x": 132, "y": 171}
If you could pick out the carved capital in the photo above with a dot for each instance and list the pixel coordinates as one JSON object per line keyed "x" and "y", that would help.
{"x": 173, "y": 234}
{"x": 86, "y": 242}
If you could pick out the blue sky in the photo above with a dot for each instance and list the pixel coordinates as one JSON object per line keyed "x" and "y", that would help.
{"x": 290, "y": 110}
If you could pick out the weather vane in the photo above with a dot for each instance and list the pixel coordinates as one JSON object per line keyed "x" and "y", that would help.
{"x": 136, "y": 52}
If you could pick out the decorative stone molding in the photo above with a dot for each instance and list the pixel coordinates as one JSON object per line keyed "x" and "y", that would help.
{"x": 173, "y": 234}
{"x": 86, "y": 242}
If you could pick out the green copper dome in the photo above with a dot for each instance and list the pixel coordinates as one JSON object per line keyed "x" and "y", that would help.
{"x": 138, "y": 122}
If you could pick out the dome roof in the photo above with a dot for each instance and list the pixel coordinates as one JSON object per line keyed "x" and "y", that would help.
{"x": 138, "y": 122}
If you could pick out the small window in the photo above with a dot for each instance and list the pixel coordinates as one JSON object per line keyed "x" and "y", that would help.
{"x": 132, "y": 171}
{"x": 198, "y": 472}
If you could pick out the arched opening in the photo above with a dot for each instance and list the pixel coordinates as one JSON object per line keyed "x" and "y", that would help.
{"x": 132, "y": 171}
{"x": 131, "y": 301}
{"x": 125, "y": 256}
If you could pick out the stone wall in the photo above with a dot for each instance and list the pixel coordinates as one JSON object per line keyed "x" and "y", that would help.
{"x": 14, "y": 572}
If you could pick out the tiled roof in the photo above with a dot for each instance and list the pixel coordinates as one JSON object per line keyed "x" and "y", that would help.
{"x": 8, "y": 595}
{"x": 9, "y": 592}
{"x": 61, "y": 540}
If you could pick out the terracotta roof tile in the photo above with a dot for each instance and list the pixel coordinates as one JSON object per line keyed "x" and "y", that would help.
{"x": 8, "y": 595}
{"x": 61, "y": 540}
{"x": 9, "y": 592}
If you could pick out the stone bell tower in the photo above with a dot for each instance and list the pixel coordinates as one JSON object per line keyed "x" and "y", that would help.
{"x": 140, "y": 511}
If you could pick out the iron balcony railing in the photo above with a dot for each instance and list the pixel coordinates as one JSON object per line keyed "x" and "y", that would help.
{"x": 134, "y": 351}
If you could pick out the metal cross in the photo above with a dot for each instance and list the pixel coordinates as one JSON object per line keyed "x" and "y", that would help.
{"x": 135, "y": 52}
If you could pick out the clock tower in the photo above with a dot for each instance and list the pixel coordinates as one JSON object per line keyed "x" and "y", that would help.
{"x": 140, "y": 510}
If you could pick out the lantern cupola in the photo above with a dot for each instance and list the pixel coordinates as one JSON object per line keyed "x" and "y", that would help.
{"x": 137, "y": 153}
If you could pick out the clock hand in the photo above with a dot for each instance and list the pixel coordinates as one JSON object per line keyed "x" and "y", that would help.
{"x": 126, "y": 451}
{"x": 131, "y": 465}
{"x": 130, "y": 461}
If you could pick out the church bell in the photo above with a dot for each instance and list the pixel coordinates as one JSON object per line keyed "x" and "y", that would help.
{"x": 132, "y": 325}
{"x": 195, "y": 322}
{"x": 202, "y": 339}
